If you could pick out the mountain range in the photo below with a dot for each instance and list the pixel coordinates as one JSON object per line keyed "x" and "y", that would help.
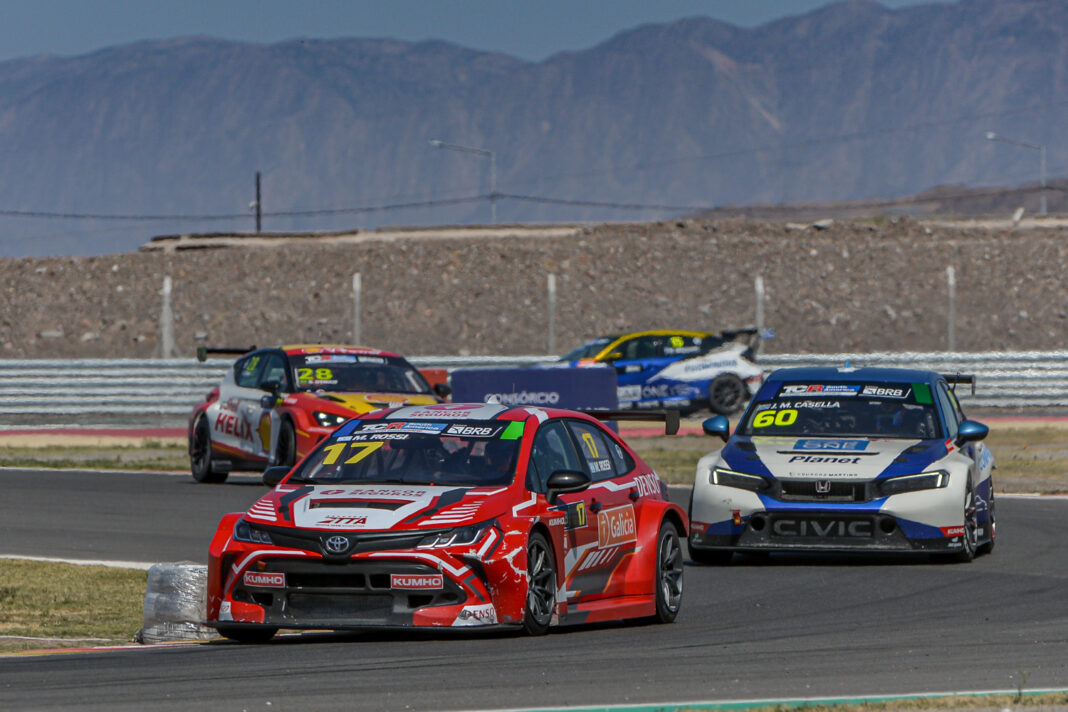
{"x": 854, "y": 101}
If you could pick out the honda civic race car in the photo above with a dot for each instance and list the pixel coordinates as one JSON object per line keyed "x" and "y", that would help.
{"x": 686, "y": 370}
{"x": 452, "y": 515}
{"x": 847, "y": 459}
{"x": 275, "y": 404}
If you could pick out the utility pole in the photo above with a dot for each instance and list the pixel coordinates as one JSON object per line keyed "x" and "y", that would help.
{"x": 259, "y": 214}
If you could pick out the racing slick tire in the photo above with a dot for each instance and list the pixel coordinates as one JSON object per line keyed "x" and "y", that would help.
{"x": 991, "y": 525}
{"x": 200, "y": 453}
{"x": 968, "y": 539}
{"x": 246, "y": 635}
{"x": 541, "y": 586}
{"x": 727, "y": 394}
{"x": 668, "y": 573}
{"x": 286, "y": 452}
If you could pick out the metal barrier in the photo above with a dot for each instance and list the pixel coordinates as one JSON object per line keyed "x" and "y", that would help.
{"x": 171, "y": 386}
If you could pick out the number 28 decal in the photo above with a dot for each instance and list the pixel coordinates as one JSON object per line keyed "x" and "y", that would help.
{"x": 780, "y": 418}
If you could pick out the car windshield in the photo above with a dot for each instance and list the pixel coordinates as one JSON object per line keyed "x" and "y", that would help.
{"x": 883, "y": 410}
{"x": 458, "y": 453}
{"x": 588, "y": 349}
{"x": 355, "y": 374}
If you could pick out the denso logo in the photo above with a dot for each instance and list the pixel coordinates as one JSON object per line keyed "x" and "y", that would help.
{"x": 616, "y": 526}
{"x": 525, "y": 398}
{"x": 428, "y": 582}
{"x": 264, "y": 579}
{"x": 812, "y": 444}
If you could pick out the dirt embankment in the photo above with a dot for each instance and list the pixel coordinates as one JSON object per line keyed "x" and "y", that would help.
{"x": 856, "y": 286}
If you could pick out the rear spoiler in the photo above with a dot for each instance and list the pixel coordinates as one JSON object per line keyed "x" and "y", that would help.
{"x": 751, "y": 332}
{"x": 954, "y": 378}
{"x": 203, "y": 351}
{"x": 670, "y": 417}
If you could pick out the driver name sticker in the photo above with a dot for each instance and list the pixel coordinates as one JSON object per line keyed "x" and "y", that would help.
{"x": 402, "y": 426}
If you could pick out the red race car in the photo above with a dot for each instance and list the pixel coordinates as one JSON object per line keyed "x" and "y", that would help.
{"x": 453, "y": 515}
{"x": 275, "y": 404}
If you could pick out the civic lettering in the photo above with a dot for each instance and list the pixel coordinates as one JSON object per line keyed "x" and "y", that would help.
{"x": 850, "y": 529}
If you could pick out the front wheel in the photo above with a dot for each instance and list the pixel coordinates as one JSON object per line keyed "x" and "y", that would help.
{"x": 969, "y": 533}
{"x": 246, "y": 635}
{"x": 286, "y": 452}
{"x": 200, "y": 453}
{"x": 541, "y": 586}
{"x": 727, "y": 394}
{"x": 668, "y": 573}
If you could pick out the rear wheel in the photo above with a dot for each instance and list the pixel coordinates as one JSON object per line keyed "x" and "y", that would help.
{"x": 200, "y": 453}
{"x": 727, "y": 394}
{"x": 246, "y": 635}
{"x": 541, "y": 586}
{"x": 668, "y": 573}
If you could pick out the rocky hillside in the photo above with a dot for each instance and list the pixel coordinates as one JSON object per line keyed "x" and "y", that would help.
{"x": 850, "y": 287}
{"x": 852, "y": 101}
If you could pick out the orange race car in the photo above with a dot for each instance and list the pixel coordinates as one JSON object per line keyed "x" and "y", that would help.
{"x": 275, "y": 404}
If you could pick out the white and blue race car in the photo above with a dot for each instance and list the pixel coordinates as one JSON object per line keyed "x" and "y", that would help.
{"x": 846, "y": 459}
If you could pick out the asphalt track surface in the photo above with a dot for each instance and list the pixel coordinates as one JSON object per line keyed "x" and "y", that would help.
{"x": 782, "y": 627}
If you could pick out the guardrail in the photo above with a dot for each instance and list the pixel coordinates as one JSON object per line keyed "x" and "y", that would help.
{"x": 172, "y": 386}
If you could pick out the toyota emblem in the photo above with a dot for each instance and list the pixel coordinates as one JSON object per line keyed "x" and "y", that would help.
{"x": 337, "y": 544}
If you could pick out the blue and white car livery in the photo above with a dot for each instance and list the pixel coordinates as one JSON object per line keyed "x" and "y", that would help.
{"x": 846, "y": 459}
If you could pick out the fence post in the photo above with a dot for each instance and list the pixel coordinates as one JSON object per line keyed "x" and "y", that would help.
{"x": 166, "y": 322}
{"x": 552, "y": 313}
{"x": 760, "y": 305}
{"x": 951, "y": 330}
{"x": 356, "y": 295}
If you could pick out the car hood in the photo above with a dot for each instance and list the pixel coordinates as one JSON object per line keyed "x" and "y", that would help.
{"x": 832, "y": 458}
{"x": 362, "y": 402}
{"x": 376, "y": 507}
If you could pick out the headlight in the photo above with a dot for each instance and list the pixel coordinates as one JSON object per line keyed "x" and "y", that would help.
{"x": 243, "y": 531}
{"x": 730, "y": 478}
{"x": 329, "y": 420}
{"x": 454, "y": 537}
{"x": 913, "y": 483}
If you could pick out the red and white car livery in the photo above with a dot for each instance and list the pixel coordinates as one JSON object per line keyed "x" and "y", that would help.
{"x": 275, "y": 404}
{"x": 452, "y": 515}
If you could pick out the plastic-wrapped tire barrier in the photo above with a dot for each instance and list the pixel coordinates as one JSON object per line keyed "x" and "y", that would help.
{"x": 175, "y": 598}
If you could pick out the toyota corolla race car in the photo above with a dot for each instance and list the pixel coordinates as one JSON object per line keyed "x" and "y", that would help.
{"x": 685, "y": 370}
{"x": 847, "y": 459}
{"x": 452, "y": 515}
{"x": 275, "y": 404}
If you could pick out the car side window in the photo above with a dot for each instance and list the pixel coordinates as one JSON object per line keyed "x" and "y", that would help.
{"x": 642, "y": 347}
{"x": 247, "y": 371}
{"x": 594, "y": 451}
{"x": 623, "y": 462}
{"x": 551, "y": 451}
{"x": 275, "y": 370}
{"x": 948, "y": 410}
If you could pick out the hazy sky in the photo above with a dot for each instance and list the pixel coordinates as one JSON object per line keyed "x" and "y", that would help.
{"x": 530, "y": 29}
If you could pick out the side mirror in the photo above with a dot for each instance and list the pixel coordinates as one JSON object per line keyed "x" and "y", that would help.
{"x": 614, "y": 356}
{"x": 564, "y": 482}
{"x": 442, "y": 390}
{"x": 718, "y": 426}
{"x": 268, "y": 402}
{"x": 273, "y": 387}
{"x": 274, "y": 475}
{"x": 971, "y": 431}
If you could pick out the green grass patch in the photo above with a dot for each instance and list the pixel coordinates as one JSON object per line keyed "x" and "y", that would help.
{"x": 68, "y": 605}
{"x": 152, "y": 455}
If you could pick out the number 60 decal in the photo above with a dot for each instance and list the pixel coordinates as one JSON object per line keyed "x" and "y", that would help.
{"x": 771, "y": 417}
